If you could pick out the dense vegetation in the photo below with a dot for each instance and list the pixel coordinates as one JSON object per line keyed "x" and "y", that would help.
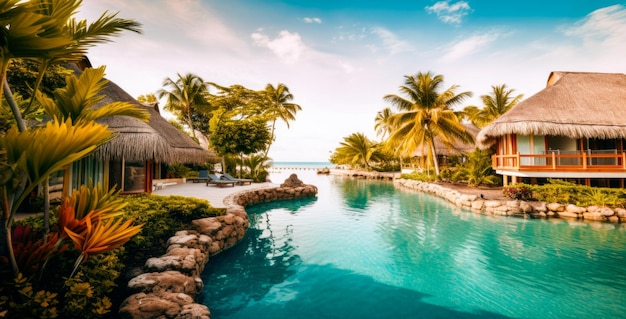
{"x": 97, "y": 287}
{"x": 424, "y": 122}
{"x": 559, "y": 191}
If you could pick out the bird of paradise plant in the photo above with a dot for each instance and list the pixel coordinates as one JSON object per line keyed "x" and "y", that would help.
{"x": 100, "y": 236}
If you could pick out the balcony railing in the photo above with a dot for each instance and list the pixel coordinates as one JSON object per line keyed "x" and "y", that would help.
{"x": 597, "y": 161}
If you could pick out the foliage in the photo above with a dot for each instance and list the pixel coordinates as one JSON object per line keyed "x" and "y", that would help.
{"x": 184, "y": 96}
{"x": 278, "y": 107}
{"x": 240, "y": 137}
{"x": 422, "y": 176}
{"x": 179, "y": 170}
{"x": 22, "y": 74}
{"x": 559, "y": 191}
{"x": 358, "y": 151}
{"x": 477, "y": 170}
{"x": 161, "y": 217}
{"x": 388, "y": 166}
{"x": 258, "y": 165}
{"x": 425, "y": 113}
{"x": 519, "y": 193}
{"x": 495, "y": 104}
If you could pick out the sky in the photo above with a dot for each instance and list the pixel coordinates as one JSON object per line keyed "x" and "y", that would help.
{"x": 340, "y": 58}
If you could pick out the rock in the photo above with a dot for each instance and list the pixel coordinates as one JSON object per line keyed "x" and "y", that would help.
{"x": 568, "y": 215}
{"x": 292, "y": 181}
{"x": 614, "y": 219}
{"x": 525, "y": 207}
{"x": 555, "y": 207}
{"x": 620, "y": 212}
{"x": 571, "y": 208}
{"x": 538, "y": 206}
{"x": 167, "y": 281}
{"x": 594, "y": 216}
{"x": 605, "y": 211}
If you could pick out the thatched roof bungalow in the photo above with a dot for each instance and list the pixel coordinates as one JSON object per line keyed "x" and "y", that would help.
{"x": 139, "y": 152}
{"x": 573, "y": 129}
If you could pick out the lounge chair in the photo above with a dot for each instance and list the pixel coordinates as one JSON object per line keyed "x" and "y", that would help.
{"x": 240, "y": 181}
{"x": 202, "y": 177}
{"x": 218, "y": 182}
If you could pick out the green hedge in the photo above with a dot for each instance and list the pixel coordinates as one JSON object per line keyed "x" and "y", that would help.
{"x": 558, "y": 191}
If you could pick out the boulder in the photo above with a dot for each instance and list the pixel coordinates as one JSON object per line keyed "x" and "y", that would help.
{"x": 292, "y": 181}
{"x": 555, "y": 207}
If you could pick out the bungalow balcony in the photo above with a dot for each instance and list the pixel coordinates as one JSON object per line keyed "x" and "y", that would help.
{"x": 563, "y": 164}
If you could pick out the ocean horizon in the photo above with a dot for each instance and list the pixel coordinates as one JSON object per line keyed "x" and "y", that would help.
{"x": 302, "y": 165}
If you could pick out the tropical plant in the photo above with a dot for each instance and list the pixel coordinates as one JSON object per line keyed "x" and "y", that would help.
{"x": 278, "y": 107}
{"x": 258, "y": 165}
{"x": 383, "y": 124}
{"x": 424, "y": 114}
{"x": 477, "y": 169}
{"x": 240, "y": 137}
{"x": 498, "y": 102}
{"x": 357, "y": 150}
{"x": 187, "y": 94}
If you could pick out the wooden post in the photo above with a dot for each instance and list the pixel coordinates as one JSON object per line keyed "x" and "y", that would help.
{"x": 623, "y": 161}
{"x": 518, "y": 164}
{"x": 513, "y": 180}
{"x": 553, "y": 161}
{"x": 505, "y": 180}
{"x": 585, "y": 161}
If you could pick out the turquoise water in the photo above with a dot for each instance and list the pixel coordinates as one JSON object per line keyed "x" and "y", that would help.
{"x": 364, "y": 249}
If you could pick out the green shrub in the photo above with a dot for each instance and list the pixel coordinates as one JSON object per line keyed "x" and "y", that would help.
{"x": 161, "y": 216}
{"x": 559, "y": 191}
{"x": 425, "y": 176}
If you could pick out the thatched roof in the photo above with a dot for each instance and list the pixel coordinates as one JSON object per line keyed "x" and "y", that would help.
{"x": 185, "y": 149}
{"x": 574, "y": 104}
{"x": 456, "y": 149}
{"x": 139, "y": 141}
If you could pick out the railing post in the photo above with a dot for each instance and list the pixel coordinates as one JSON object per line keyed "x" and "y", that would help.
{"x": 584, "y": 160}
{"x": 519, "y": 163}
{"x": 553, "y": 161}
{"x": 623, "y": 160}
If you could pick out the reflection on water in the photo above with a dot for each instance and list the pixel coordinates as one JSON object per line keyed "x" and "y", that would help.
{"x": 366, "y": 250}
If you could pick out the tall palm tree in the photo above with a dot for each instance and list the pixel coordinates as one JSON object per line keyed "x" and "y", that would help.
{"x": 383, "y": 124}
{"x": 498, "y": 102}
{"x": 185, "y": 95}
{"x": 426, "y": 113}
{"x": 279, "y": 107}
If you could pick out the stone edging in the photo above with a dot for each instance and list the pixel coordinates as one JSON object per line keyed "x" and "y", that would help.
{"x": 169, "y": 284}
{"x": 516, "y": 207}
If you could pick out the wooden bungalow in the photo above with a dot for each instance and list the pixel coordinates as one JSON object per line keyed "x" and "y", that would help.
{"x": 138, "y": 153}
{"x": 574, "y": 129}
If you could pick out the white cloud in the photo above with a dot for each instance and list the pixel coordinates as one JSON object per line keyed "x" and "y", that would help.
{"x": 312, "y": 20}
{"x": 391, "y": 41}
{"x": 450, "y": 13}
{"x": 606, "y": 26}
{"x": 287, "y": 46}
{"x": 470, "y": 45}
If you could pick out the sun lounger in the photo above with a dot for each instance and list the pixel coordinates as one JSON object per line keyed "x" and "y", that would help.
{"x": 218, "y": 182}
{"x": 203, "y": 176}
{"x": 240, "y": 181}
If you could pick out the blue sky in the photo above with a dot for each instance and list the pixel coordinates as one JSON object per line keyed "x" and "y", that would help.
{"x": 339, "y": 58}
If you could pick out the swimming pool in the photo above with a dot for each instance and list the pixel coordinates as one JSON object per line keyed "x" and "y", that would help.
{"x": 364, "y": 249}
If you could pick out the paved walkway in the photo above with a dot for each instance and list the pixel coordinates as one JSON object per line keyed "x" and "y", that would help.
{"x": 214, "y": 194}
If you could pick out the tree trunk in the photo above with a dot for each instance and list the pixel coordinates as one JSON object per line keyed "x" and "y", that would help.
{"x": 434, "y": 152}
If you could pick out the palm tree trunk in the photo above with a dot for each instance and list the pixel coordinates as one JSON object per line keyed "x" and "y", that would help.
{"x": 267, "y": 150}
{"x": 434, "y": 152}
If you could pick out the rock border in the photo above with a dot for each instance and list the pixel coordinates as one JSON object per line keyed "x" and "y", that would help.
{"x": 168, "y": 285}
{"x": 519, "y": 208}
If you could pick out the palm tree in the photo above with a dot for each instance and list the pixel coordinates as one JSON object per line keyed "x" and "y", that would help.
{"x": 497, "y": 103}
{"x": 383, "y": 124}
{"x": 279, "y": 107}
{"x": 357, "y": 149}
{"x": 185, "y": 95}
{"x": 425, "y": 113}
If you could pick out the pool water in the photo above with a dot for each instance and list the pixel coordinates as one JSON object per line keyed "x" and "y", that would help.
{"x": 365, "y": 249}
